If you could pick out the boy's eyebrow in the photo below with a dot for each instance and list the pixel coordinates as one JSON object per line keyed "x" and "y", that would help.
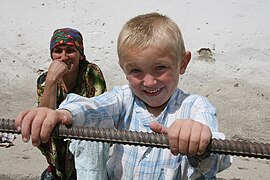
{"x": 130, "y": 65}
{"x": 158, "y": 62}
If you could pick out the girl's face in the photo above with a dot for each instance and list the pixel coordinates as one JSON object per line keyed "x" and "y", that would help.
{"x": 67, "y": 54}
{"x": 153, "y": 75}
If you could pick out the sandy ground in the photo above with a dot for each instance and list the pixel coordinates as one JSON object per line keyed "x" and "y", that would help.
{"x": 234, "y": 74}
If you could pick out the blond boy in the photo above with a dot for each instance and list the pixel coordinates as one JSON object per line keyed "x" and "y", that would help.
{"x": 152, "y": 55}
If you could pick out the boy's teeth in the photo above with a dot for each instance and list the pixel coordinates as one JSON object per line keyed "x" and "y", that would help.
{"x": 153, "y": 91}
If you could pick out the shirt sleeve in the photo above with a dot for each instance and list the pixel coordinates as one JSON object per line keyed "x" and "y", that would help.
{"x": 100, "y": 111}
{"x": 207, "y": 168}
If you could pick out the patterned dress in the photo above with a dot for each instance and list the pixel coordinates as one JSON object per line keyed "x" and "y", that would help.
{"x": 90, "y": 82}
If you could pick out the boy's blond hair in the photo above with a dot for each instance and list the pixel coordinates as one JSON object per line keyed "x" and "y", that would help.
{"x": 153, "y": 30}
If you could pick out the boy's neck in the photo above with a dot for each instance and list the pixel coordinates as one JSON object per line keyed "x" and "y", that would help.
{"x": 156, "y": 110}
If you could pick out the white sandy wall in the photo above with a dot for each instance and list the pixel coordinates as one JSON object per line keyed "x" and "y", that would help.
{"x": 237, "y": 32}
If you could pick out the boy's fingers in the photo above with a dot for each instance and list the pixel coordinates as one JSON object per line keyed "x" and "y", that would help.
{"x": 206, "y": 137}
{"x": 51, "y": 120}
{"x": 173, "y": 137}
{"x": 19, "y": 119}
{"x": 37, "y": 124}
{"x": 64, "y": 117}
{"x": 26, "y": 124}
{"x": 158, "y": 128}
{"x": 194, "y": 140}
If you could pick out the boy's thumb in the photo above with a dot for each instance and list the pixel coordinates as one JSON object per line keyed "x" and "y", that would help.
{"x": 158, "y": 128}
{"x": 65, "y": 118}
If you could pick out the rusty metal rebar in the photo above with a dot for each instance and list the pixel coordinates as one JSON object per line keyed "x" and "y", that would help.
{"x": 229, "y": 147}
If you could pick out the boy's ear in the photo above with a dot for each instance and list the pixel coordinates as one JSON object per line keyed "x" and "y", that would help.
{"x": 120, "y": 65}
{"x": 122, "y": 69}
{"x": 184, "y": 62}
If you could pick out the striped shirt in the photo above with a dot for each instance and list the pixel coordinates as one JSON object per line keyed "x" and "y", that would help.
{"x": 121, "y": 109}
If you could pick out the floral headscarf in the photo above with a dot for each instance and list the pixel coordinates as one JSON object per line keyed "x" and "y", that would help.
{"x": 67, "y": 36}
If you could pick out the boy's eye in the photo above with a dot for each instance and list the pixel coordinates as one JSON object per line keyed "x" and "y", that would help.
{"x": 160, "y": 67}
{"x": 134, "y": 71}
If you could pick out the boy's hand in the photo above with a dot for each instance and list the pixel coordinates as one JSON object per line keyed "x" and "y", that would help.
{"x": 39, "y": 123}
{"x": 187, "y": 137}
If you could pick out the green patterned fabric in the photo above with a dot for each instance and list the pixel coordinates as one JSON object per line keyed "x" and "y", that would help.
{"x": 90, "y": 82}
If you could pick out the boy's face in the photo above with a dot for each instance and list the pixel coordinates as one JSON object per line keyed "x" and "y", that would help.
{"x": 153, "y": 75}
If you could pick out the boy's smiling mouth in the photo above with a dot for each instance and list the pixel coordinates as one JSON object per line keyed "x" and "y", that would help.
{"x": 152, "y": 91}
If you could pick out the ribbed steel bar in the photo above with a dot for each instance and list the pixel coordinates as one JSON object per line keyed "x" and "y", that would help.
{"x": 230, "y": 147}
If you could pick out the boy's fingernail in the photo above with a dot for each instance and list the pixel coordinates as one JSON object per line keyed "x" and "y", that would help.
{"x": 44, "y": 141}
{"x": 174, "y": 151}
{"x": 25, "y": 139}
{"x": 64, "y": 119}
{"x": 35, "y": 144}
{"x": 19, "y": 128}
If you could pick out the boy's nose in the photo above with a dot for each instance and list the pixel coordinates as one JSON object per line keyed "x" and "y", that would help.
{"x": 149, "y": 81}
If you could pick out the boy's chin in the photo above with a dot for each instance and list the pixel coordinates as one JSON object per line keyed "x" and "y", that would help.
{"x": 156, "y": 106}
